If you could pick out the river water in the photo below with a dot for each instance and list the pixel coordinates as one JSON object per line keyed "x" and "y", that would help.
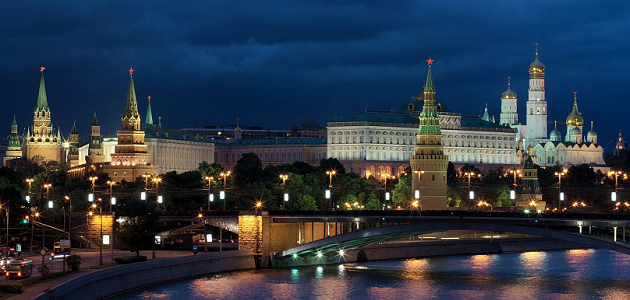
{"x": 575, "y": 274}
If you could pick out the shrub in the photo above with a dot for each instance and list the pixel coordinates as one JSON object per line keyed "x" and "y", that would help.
{"x": 129, "y": 259}
{"x": 73, "y": 261}
{"x": 10, "y": 287}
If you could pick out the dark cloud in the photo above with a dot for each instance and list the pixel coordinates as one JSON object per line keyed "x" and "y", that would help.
{"x": 273, "y": 62}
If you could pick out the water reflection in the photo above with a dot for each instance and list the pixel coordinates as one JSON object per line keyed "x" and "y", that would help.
{"x": 583, "y": 274}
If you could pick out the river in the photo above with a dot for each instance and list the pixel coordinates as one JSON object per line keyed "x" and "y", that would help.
{"x": 574, "y": 274}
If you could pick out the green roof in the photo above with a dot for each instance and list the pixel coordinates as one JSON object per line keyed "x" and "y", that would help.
{"x": 156, "y": 132}
{"x": 382, "y": 117}
{"x": 416, "y": 106}
{"x": 477, "y": 122}
{"x": 275, "y": 141}
{"x": 309, "y": 123}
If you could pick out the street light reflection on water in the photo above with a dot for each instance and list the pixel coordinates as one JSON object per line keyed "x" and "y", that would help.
{"x": 575, "y": 274}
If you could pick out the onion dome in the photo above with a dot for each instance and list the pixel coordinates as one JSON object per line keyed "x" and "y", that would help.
{"x": 591, "y": 136}
{"x": 575, "y": 118}
{"x": 576, "y": 131}
{"x": 536, "y": 66}
{"x": 555, "y": 135}
{"x": 509, "y": 94}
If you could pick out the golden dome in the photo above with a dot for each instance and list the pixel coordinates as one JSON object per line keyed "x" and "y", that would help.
{"x": 509, "y": 94}
{"x": 536, "y": 66}
{"x": 575, "y": 118}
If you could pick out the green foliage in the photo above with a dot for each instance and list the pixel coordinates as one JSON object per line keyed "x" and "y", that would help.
{"x": 502, "y": 198}
{"x": 453, "y": 197}
{"x": 10, "y": 287}
{"x": 130, "y": 259}
{"x": 210, "y": 170}
{"x": 304, "y": 202}
{"x": 73, "y": 261}
{"x": 401, "y": 194}
{"x": 372, "y": 202}
{"x": 248, "y": 169}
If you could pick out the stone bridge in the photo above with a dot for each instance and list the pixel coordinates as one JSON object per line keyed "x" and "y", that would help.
{"x": 304, "y": 238}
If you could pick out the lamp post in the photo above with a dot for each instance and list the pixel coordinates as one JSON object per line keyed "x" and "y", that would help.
{"x": 617, "y": 174}
{"x": 225, "y": 176}
{"x": 561, "y": 196}
{"x": 146, "y": 180}
{"x": 157, "y": 181}
{"x": 100, "y": 250}
{"x": 111, "y": 187}
{"x": 330, "y": 175}
{"x": 516, "y": 174}
{"x": 470, "y": 174}
{"x": 91, "y": 195}
{"x": 29, "y": 181}
{"x": 284, "y": 178}
{"x": 205, "y": 233}
{"x": 210, "y": 179}
{"x": 327, "y": 195}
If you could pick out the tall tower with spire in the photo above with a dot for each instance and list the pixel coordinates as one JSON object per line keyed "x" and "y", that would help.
{"x": 509, "y": 114}
{"x": 95, "y": 150}
{"x": 149, "y": 119}
{"x": 575, "y": 123}
{"x": 41, "y": 143}
{"x": 14, "y": 149}
{"x": 73, "y": 146}
{"x": 536, "y": 103}
{"x": 130, "y": 158}
{"x": 429, "y": 164}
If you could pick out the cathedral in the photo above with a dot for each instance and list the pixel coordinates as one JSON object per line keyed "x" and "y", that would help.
{"x": 553, "y": 149}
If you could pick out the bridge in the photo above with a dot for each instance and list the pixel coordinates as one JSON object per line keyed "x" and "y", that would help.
{"x": 292, "y": 238}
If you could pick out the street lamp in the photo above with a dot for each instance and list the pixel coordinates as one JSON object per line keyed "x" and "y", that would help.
{"x": 29, "y": 181}
{"x": 613, "y": 196}
{"x": 205, "y": 233}
{"x": 100, "y": 250}
{"x": 47, "y": 186}
{"x": 91, "y": 195}
{"x": 210, "y": 196}
{"x": 157, "y": 181}
{"x": 225, "y": 176}
{"x": 284, "y": 178}
{"x": 330, "y": 174}
{"x": 327, "y": 195}
{"x": 111, "y": 199}
{"x": 470, "y": 174}
{"x": 561, "y": 194}
{"x": 146, "y": 180}
{"x": 517, "y": 173}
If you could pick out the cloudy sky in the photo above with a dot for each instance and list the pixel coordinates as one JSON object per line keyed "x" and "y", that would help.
{"x": 271, "y": 63}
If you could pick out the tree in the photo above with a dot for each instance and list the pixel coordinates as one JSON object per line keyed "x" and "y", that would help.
{"x": 248, "y": 169}
{"x": 138, "y": 228}
{"x": 372, "y": 202}
{"x": 401, "y": 194}
{"x": 332, "y": 164}
{"x": 304, "y": 202}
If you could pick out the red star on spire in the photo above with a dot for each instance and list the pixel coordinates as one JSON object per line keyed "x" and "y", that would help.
{"x": 574, "y": 92}
{"x": 430, "y": 61}
{"x": 149, "y": 98}
{"x": 130, "y": 71}
{"x": 41, "y": 69}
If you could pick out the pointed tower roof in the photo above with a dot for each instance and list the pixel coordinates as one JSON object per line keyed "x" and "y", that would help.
{"x": 575, "y": 118}
{"x": 42, "y": 101}
{"x": 149, "y": 118}
{"x": 536, "y": 66}
{"x": 74, "y": 128}
{"x": 428, "y": 86}
{"x": 94, "y": 120}
{"x": 486, "y": 117}
{"x": 131, "y": 107}
{"x": 14, "y": 121}
{"x": 509, "y": 94}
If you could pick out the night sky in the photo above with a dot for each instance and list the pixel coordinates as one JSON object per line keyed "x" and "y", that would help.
{"x": 271, "y": 63}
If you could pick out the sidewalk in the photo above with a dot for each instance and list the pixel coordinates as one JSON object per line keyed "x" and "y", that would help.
{"x": 34, "y": 291}
{"x": 89, "y": 259}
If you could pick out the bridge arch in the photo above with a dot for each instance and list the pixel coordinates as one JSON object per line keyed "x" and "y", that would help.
{"x": 321, "y": 251}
